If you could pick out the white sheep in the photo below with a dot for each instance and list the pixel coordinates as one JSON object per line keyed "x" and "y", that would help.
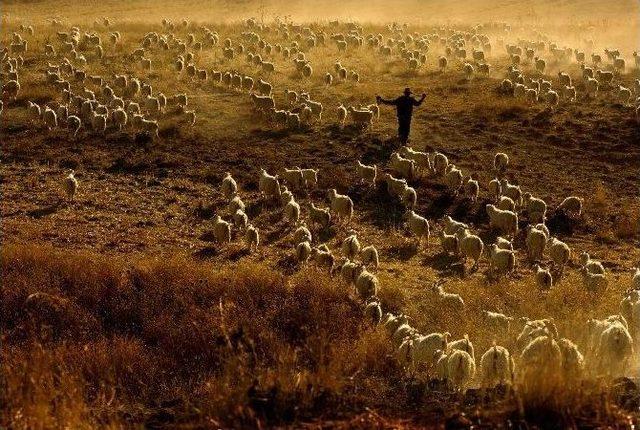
{"x": 615, "y": 350}
{"x": 229, "y": 187}
{"x": 512, "y": 191}
{"x": 592, "y": 266}
{"x": 572, "y": 360}
{"x": 425, "y": 347}
{"x": 70, "y": 185}
{"x": 461, "y": 369}
{"x": 349, "y": 271}
{"x": 269, "y": 185}
{"x": 501, "y": 261}
{"x": 559, "y": 252}
{"x": 351, "y": 246}
{"x": 240, "y": 219}
{"x": 541, "y": 363}
{"x": 369, "y": 255}
{"x": 367, "y": 285}
{"x": 235, "y": 204}
{"x": 496, "y": 367}
{"x": 536, "y": 242}
{"x": 404, "y": 167}
{"x": 302, "y": 234}
{"x": 341, "y": 204}
{"x": 74, "y": 123}
{"x": 293, "y": 177}
{"x": 536, "y": 208}
{"x": 495, "y": 189}
{"x": 453, "y": 179}
{"x": 472, "y": 189}
{"x": 506, "y": 204}
{"x": 418, "y": 226}
{"x": 323, "y": 258}
{"x": 373, "y": 311}
{"x": 452, "y": 226}
{"x": 221, "y": 230}
{"x": 500, "y": 162}
{"x": 449, "y": 242}
{"x": 341, "y": 114}
{"x": 422, "y": 160}
{"x": 572, "y": 205}
{"x": 366, "y": 173}
{"x": 505, "y": 221}
{"x": 362, "y": 118}
{"x": 470, "y": 246}
{"x": 497, "y": 321}
{"x": 292, "y": 211}
{"x": 50, "y": 118}
{"x": 440, "y": 163}
{"x": 252, "y": 237}
{"x": 303, "y": 252}
{"x": 593, "y": 281}
{"x": 543, "y": 278}
{"x": 395, "y": 186}
{"x": 451, "y": 301}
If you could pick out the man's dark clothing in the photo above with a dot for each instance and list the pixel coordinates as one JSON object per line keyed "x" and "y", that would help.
{"x": 404, "y": 109}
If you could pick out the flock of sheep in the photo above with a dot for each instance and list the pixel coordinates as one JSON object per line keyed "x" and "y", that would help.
{"x": 125, "y": 100}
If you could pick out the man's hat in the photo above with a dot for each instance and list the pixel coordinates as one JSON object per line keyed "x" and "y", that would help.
{"x": 407, "y": 90}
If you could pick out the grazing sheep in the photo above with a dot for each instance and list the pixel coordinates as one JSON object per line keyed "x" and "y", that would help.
{"x": 541, "y": 363}
{"x": 593, "y": 282}
{"x": 543, "y": 278}
{"x": 425, "y": 347}
{"x": 472, "y": 189}
{"x": 349, "y": 271}
{"x": 70, "y": 185}
{"x": 461, "y": 369}
{"x": 559, "y": 252}
{"x": 341, "y": 205}
{"x": 221, "y": 230}
{"x": 497, "y": 321}
{"x": 512, "y": 191}
{"x": 572, "y": 360}
{"x": 341, "y": 114}
{"x": 421, "y": 159}
{"x": 303, "y": 252}
{"x": 268, "y": 185}
{"x": 367, "y": 174}
{"x": 500, "y": 162}
{"x": 292, "y": 211}
{"x": 409, "y": 197}
{"x": 351, "y": 246}
{"x": 373, "y": 311}
{"x": 591, "y": 87}
{"x": 536, "y": 242}
{"x": 404, "y": 167}
{"x": 615, "y": 350}
{"x": 505, "y": 221}
{"x": 395, "y": 186}
{"x": 50, "y": 118}
{"x": 74, "y": 123}
{"x": 592, "y": 266}
{"x": 310, "y": 177}
{"x": 363, "y": 118}
{"x": 418, "y": 226}
{"x": 506, "y": 204}
{"x": 501, "y": 261}
{"x": 470, "y": 246}
{"x": 240, "y": 219}
{"x": 495, "y": 189}
{"x": 496, "y": 367}
{"x": 323, "y": 258}
{"x": 302, "y": 234}
{"x": 294, "y": 178}
{"x": 319, "y": 216}
{"x": 252, "y": 237}
{"x": 571, "y": 205}
{"x": 369, "y": 255}
{"x": 366, "y": 285}
{"x": 453, "y": 179}
{"x": 440, "y": 163}
{"x": 449, "y": 242}
{"x": 452, "y": 226}
{"x": 451, "y": 301}
{"x": 229, "y": 187}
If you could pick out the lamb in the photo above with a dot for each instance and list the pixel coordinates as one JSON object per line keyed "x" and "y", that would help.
{"x": 402, "y": 333}
{"x": 453, "y": 178}
{"x": 373, "y": 311}
{"x": 461, "y": 369}
{"x": 367, "y": 174}
{"x": 351, "y": 246}
{"x": 512, "y": 191}
{"x": 452, "y": 226}
{"x": 74, "y": 123}
{"x": 496, "y": 367}
{"x": 366, "y": 285}
{"x": 50, "y": 118}
{"x": 592, "y": 266}
{"x": 395, "y": 186}
{"x": 425, "y": 347}
{"x": 591, "y": 86}
{"x": 571, "y": 205}
{"x": 497, "y": 321}
{"x": 70, "y": 185}
{"x": 500, "y": 162}
{"x": 615, "y": 350}
{"x": 303, "y": 252}
{"x": 501, "y": 261}
{"x": 363, "y": 118}
{"x": 404, "y": 167}
{"x": 221, "y": 230}
{"x": 323, "y": 258}
{"x": 341, "y": 114}
{"x": 536, "y": 241}
{"x": 451, "y": 301}
{"x": 369, "y": 255}
{"x": 252, "y": 237}
{"x": 440, "y": 163}
{"x": 418, "y": 226}
{"x": 593, "y": 281}
{"x": 292, "y": 211}
{"x": 506, "y": 204}
{"x": 552, "y": 97}
{"x": 310, "y": 177}
{"x": 495, "y": 189}
{"x": 341, "y": 205}
{"x": 268, "y": 185}
{"x": 409, "y": 197}
{"x": 470, "y": 246}
{"x": 316, "y": 109}
{"x": 294, "y": 178}
{"x": 472, "y": 189}
{"x": 559, "y": 253}
{"x": 420, "y": 158}
{"x": 229, "y": 187}
{"x": 505, "y": 221}
{"x": 302, "y": 234}
{"x": 543, "y": 278}
{"x": 319, "y": 216}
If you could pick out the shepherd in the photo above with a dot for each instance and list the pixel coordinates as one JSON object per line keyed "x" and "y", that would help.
{"x": 404, "y": 110}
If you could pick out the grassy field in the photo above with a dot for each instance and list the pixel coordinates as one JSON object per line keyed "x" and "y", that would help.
{"x": 143, "y": 320}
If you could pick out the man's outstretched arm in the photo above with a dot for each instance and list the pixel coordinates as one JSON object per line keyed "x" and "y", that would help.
{"x": 419, "y": 102}
{"x": 385, "y": 101}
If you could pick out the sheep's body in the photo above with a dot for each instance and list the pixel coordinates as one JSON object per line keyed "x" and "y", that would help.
{"x": 461, "y": 369}
{"x": 367, "y": 174}
{"x": 341, "y": 205}
{"x": 421, "y": 159}
{"x": 472, "y": 189}
{"x": 536, "y": 208}
{"x": 463, "y": 344}
{"x": 303, "y": 252}
{"x": 505, "y": 221}
{"x": 440, "y": 163}
{"x": 369, "y": 256}
{"x": 500, "y": 162}
{"x": 495, "y": 189}
{"x": 470, "y": 246}
{"x": 235, "y": 204}
{"x": 425, "y": 347}
{"x": 221, "y": 230}
{"x": 571, "y": 205}
{"x": 252, "y": 238}
{"x": 323, "y": 258}
{"x": 615, "y": 349}
{"x": 501, "y": 261}
{"x": 591, "y": 266}
{"x": 572, "y": 360}
{"x": 497, "y": 321}
{"x": 292, "y": 212}
{"x": 541, "y": 362}
{"x": 543, "y": 277}
{"x": 350, "y": 246}
{"x": 268, "y": 185}
{"x": 367, "y": 285}
{"x": 536, "y": 242}
{"x": 240, "y": 219}
{"x": 229, "y": 187}
{"x": 512, "y": 191}
{"x": 294, "y": 178}
{"x": 418, "y": 226}
{"x": 496, "y": 367}
{"x": 559, "y": 252}
{"x": 319, "y": 216}
{"x": 70, "y": 185}
{"x": 373, "y": 312}
{"x": 449, "y": 242}
{"x": 404, "y": 167}
{"x": 395, "y": 186}
{"x": 302, "y": 234}
{"x": 452, "y": 226}
{"x": 451, "y": 301}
